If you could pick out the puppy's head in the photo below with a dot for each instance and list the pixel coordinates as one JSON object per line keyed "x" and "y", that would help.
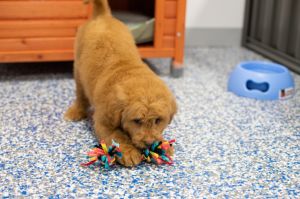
{"x": 145, "y": 121}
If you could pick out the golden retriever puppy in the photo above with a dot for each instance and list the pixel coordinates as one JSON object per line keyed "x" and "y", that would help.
{"x": 131, "y": 104}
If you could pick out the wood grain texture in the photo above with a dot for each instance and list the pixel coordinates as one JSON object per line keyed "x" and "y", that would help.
{"x": 169, "y": 27}
{"x": 42, "y": 9}
{"x": 169, "y": 42}
{"x": 38, "y": 28}
{"x": 67, "y": 55}
{"x": 59, "y": 43}
{"x": 29, "y": 24}
{"x": 180, "y": 34}
{"x": 44, "y": 30}
{"x": 171, "y": 8}
{"x": 31, "y": 33}
{"x": 159, "y": 25}
{"x": 36, "y": 56}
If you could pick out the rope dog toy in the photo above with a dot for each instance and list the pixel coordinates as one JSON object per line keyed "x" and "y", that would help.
{"x": 105, "y": 155}
{"x": 156, "y": 153}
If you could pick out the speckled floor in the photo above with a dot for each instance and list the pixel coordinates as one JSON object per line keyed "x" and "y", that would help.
{"x": 227, "y": 146}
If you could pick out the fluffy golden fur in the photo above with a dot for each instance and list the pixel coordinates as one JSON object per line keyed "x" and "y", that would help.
{"x": 131, "y": 104}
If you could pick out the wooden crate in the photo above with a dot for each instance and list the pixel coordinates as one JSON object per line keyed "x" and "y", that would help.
{"x": 44, "y": 30}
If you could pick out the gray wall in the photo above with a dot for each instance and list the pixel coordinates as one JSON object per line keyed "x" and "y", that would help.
{"x": 214, "y": 22}
{"x": 213, "y": 36}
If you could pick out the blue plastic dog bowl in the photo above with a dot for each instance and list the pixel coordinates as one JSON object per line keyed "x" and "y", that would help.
{"x": 261, "y": 80}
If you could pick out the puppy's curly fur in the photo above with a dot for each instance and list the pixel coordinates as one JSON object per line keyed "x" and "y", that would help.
{"x": 131, "y": 104}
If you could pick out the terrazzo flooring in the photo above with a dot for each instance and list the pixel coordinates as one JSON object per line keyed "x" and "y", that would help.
{"x": 227, "y": 146}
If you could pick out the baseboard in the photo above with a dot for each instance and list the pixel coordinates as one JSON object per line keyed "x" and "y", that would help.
{"x": 213, "y": 37}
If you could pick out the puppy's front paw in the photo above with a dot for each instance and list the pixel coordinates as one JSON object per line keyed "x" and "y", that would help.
{"x": 131, "y": 156}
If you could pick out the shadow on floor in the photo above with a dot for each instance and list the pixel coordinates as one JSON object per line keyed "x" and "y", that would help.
{"x": 42, "y": 70}
{"x": 36, "y": 68}
{"x": 35, "y": 71}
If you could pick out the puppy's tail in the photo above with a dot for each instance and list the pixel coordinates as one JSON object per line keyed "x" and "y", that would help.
{"x": 101, "y": 8}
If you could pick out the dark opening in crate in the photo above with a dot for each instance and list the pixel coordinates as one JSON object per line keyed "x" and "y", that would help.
{"x": 138, "y": 15}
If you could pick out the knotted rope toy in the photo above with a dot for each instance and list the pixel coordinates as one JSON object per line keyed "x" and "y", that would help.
{"x": 157, "y": 153}
{"x": 106, "y": 156}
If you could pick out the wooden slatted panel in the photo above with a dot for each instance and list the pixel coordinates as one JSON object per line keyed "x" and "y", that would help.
{"x": 36, "y": 56}
{"x": 159, "y": 19}
{"x": 62, "y": 47}
{"x": 169, "y": 23}
{"x": 169, "y": 41}
{"x": 169, "y": 27}
{"x": 46, "y": 32}
{"x": 42, "y": 9}
{"x": 36, "y": 44}
{"x": 180, "y": 34}
{"x": 21, "y": 24}
{"x": 38, "y": 28}
{"x": 170, "y": 9}
{"x": 67, "y": 55}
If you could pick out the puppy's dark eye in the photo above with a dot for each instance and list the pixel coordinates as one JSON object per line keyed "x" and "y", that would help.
{"x": 137, "y": 121}
{"x": 157, "y": 120}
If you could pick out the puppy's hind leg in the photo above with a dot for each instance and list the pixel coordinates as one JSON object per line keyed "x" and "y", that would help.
{"x": 78, "y": 110}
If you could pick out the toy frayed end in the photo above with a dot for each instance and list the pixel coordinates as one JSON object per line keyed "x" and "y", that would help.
{"x": 157, "y": 153}
{"x": 103, "y": 154}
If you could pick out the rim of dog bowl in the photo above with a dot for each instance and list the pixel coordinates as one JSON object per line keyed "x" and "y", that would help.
{"x": 263, "y": 67}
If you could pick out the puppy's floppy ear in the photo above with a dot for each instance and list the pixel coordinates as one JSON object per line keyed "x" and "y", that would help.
{"x": 117, "y": 104}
